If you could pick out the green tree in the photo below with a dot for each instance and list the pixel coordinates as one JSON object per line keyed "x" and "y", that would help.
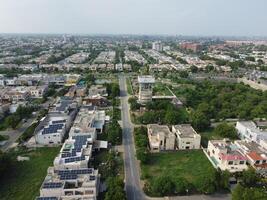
{"x": 115, "y": 189}
{"x": 226, "y": 131}
{"x": 207, "y": 185}
{"x": 200, "y": 121}
{"x": 114, "y": 132}
{"x": 163, "y": 185}
{"x": 12, "y": 121}
{"x": 193, "y": 69}
{"x": 134, "y": 105}
{"x": 237, "y": 192}
{"x": 249, "y": 177}
{"x": 222, "y": 179}
{"x": 142, "y": 154}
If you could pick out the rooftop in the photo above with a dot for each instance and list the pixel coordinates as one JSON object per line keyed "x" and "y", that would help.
{"x": 155, "y": 129}
{"x": 185, "y": 131}
{"x": 146, "y": 79}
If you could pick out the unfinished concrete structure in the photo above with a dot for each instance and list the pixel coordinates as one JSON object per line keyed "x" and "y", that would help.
{"x": 145, "y": 88}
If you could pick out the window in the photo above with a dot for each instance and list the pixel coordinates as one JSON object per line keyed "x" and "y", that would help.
{"x": 187, "y": 142}
{"x": 257, "y": 162}
{"x": 230, "y": 162}
{"x": 187, "y": 147}
{"x": 241, "y": 162}
{"x": 264, "y": 161}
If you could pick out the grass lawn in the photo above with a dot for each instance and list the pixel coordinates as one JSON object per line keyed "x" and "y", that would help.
{"x": 192, "y": 165}
{"x": 23, "y": 181}
{"x": 161, "y": 90}
{"x": 129, "y": 86}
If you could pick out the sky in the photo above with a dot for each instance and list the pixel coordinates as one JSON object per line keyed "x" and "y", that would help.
{"x": 171, "y": 17}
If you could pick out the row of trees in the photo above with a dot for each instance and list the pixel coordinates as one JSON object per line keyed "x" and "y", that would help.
{"x": 110, "y": 172}
{"x": 165, "y": 185}
{"x": 114, "y": 133}
{"x": 141, "y": 143}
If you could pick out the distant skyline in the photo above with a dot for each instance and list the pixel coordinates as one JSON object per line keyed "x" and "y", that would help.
{"x": 143, "y": 17}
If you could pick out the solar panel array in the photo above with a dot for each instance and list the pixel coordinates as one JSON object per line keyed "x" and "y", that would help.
{"x": 75, "y": 171}
{"x": 52, "y": 185}
{"x": 79, "y": 142}
{"x": 47, "y": 198}
{"x": 74, "y": 159}
{"x": 68, "y": 177}
{"x": 52, "y": 128}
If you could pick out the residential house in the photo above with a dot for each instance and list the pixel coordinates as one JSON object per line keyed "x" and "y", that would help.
{"x": 249, "y": 131}
{"x": 255, "y": 153}
{"x": 225, "y": 155}
{"x": 160, "y": 138}
{"x": 187, "y": 137}
{"x": 66, "y": 184}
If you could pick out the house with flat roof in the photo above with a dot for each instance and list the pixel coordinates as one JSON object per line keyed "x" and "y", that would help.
{"x": 160, "y": 138}
{"x": 75, "y": 152}
{"x": 51, "y": 129}
{"x": 225, "y": 155}
{"x": 249, "y": 131}
{"x": 70, "y": 184}
{"x": 187, "y": 137}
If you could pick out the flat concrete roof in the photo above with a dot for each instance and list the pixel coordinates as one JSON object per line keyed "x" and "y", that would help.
{"x": 146, "y": 79}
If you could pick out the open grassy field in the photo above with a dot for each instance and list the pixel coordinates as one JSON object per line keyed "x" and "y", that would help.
{"x": 191, "y": 165}
{"x": 24, "y": 179}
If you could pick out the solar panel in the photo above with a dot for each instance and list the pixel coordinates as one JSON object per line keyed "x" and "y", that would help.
{"x": 52, "y": 128}
{"x": 74, "y": 159}
{"x": 75, "y": 171}
{"x": 47, "y": 198}
{"x": 68, "y": 176}
{"x": 52, "y": 185}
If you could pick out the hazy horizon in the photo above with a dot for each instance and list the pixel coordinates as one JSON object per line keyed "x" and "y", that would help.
{"x": 135, "y": 17}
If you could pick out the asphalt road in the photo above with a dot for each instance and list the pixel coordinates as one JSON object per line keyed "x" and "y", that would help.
{"x": 132, "y": 177}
